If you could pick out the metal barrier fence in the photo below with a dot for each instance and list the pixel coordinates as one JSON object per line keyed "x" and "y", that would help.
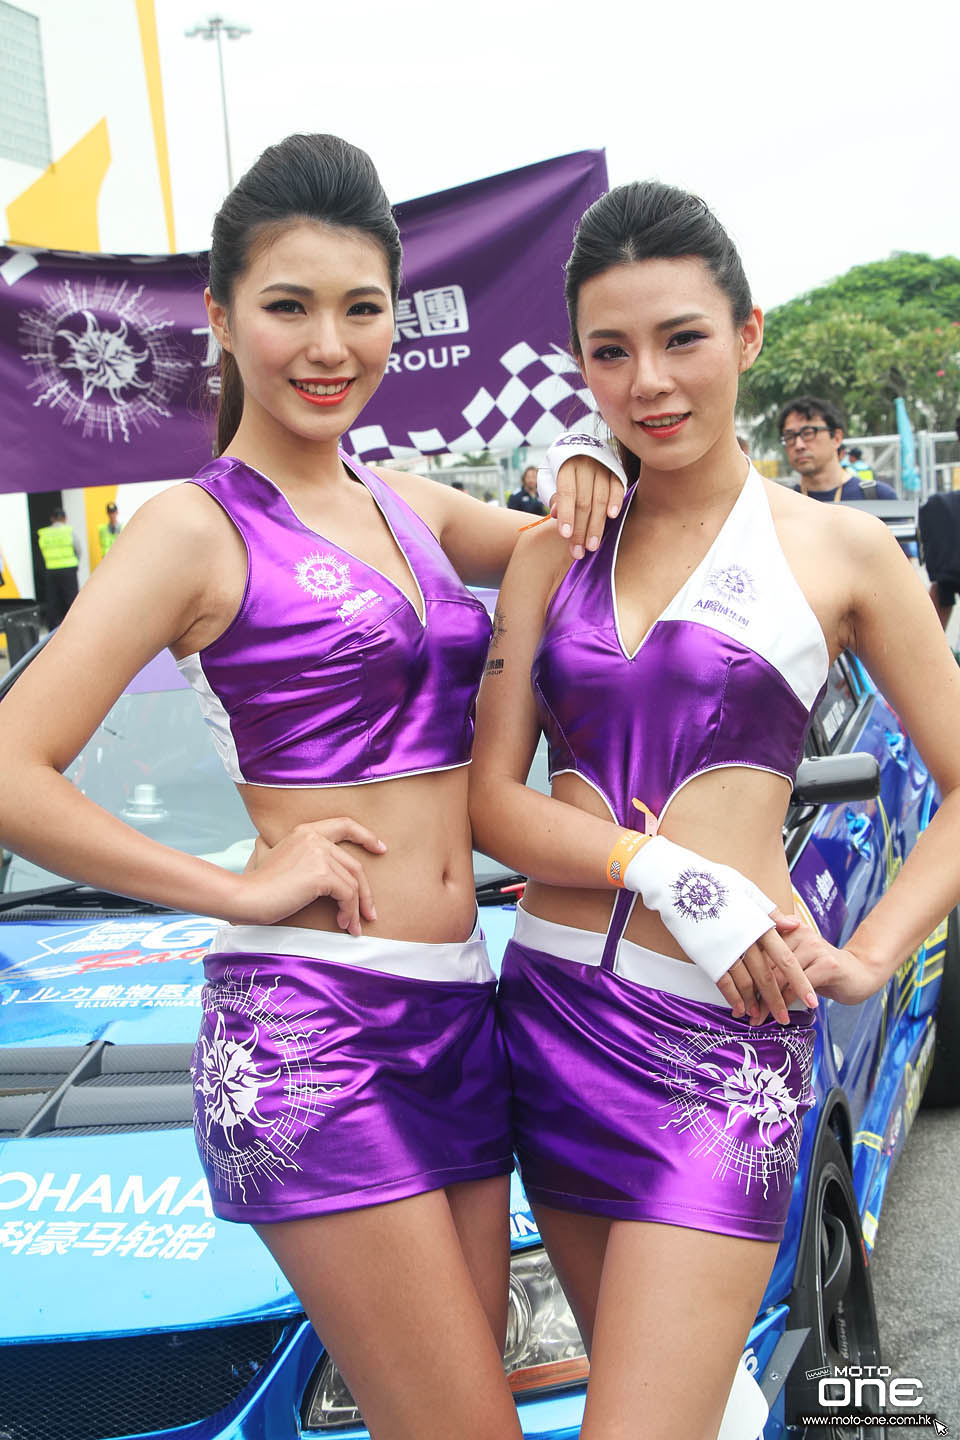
{"x": 478, "y": 480}
{"x": 938, "y": 459}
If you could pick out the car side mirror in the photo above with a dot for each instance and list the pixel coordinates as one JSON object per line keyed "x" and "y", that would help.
{"x": 829, "y": 779}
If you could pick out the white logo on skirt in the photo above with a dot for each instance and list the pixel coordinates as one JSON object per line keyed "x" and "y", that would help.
{"x": 242, "y": 1137}
{"x": 755, "y": 1090}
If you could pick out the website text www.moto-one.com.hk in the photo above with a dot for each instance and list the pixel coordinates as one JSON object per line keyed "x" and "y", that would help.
{"x": 843, "y": 1422}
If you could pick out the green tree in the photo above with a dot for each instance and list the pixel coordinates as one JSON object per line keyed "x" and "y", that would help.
{"x": 885, "y": 329}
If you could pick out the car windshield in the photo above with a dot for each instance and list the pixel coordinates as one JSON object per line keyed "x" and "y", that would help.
{"x": 152, "y": 763}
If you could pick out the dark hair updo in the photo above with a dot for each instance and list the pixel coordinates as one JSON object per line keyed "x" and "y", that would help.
{"x": 651, "y": 221}
{"x": 305, "y": 177}
{"x": 648, "y": 220}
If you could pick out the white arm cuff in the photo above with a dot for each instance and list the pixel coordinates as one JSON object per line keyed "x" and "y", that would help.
{"x": 575, "y": 442}
{"x": 712, "y": 911}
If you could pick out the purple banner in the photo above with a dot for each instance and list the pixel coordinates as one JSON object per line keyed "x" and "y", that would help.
{"x": 108, "y": 372}
{"x": 104, "y": 362}
{"x": 481, "y": 357}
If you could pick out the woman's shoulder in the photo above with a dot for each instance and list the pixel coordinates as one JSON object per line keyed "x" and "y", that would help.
{"x": 837, "y": 551}
{"x": 186, "y": 516}
{"x": 419, "y": 491}
{"x": 541, "y": 559}
{"x": 834, "y": 524}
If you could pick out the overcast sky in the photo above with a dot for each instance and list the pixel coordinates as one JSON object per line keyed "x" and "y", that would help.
{"x": 823, "y": 135}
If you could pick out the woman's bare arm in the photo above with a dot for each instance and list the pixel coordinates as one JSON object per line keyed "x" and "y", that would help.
{"x": 895, "y": 631}
{"x": 155, "y": 590}
{"x": 480, "y": 539}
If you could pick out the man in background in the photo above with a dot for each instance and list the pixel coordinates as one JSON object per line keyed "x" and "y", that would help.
{"x": 526, "y": 497}
{"x": 857, "y": 466}
{"x": 811, "y": 432}
{"x": 938, "y": 525}
{"x": 60, "y": 560}
{"x": 108, "y": 532}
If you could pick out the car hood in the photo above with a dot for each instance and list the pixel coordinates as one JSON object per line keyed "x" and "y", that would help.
{"x": 106, "y": 1225}
{"x": 72, "y": 981}
{"x": 99, "y": 1229}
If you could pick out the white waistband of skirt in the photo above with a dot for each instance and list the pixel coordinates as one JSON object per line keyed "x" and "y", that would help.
{"x": 633, "y": 962}
{"x": 456, "y": 960}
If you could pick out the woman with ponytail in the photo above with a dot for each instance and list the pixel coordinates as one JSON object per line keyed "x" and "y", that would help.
{"x": 658, "y": 1027}
{"x": 319, "y": 609}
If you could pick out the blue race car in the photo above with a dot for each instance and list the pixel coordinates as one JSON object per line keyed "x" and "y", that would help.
{"x": 126, "y": 1309}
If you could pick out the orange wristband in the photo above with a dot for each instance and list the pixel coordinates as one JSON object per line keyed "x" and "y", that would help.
{"x": 622, "y": 853}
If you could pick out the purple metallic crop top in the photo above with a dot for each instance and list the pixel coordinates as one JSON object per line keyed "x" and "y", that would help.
{"x": 327, "y": 675}
{"x": 729, "y": 674}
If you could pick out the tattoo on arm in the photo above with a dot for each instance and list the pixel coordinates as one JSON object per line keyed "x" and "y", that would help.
{"x": 493, "y": 667}
{"x": 499, "y": 626}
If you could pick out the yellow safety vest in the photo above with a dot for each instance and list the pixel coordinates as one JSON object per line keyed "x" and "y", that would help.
{"x": 107, "y": 536}
{"x": 56, "y": 547}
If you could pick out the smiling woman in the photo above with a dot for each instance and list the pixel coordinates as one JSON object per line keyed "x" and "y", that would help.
{"x": 301, "y": 347}
{"x": 332, "y": 186}
{"x": 675, "y": 673}
{"x": 350, "y": 1088}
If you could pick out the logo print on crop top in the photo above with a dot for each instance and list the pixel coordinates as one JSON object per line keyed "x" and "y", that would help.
{"x": 734, "y": 588}
{"x": 734, "y": 584}
{"x": 324, "y": 576}
{"x": 698, "y": 895}
{"x": 327, "y": 578}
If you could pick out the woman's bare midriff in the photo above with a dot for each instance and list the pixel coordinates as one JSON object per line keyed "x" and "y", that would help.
{"x": 423, "y": 885}
{"x": 733, "y": 816}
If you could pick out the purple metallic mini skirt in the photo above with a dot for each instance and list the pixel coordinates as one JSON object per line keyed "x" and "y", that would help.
{"x": 333, "y": 1072}
{"x": 638, "y": 1096}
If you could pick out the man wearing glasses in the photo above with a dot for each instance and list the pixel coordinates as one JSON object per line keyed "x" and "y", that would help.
{"x": 811, "y": 432}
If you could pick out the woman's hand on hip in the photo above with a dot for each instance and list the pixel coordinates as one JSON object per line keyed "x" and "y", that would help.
{"x": 306, "y": 865}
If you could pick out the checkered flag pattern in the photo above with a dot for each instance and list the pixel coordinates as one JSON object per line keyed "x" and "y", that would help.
{"x": 542, "y": 396}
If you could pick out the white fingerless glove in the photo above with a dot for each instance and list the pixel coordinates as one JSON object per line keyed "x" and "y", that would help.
{"x": 575, "y": 442}
{"x": 712, "y": 911}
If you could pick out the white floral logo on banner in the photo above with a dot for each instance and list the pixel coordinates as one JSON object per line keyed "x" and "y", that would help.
{"x": 104, "y": 356}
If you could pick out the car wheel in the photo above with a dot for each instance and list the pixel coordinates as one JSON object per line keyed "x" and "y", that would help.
{"x": 943, "y": 1087}
{"x": 832, "y": 1296}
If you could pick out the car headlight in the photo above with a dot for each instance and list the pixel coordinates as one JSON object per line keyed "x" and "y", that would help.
{"x": 328, "y": 1403}
{"x": 543, "y": 1350}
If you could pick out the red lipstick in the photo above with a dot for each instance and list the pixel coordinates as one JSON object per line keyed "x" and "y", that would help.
{"x": 663, "y": 432}
{"x": 324, "y": 401}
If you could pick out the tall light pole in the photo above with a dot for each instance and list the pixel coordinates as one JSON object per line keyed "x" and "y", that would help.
{"x": 215, "y": 28}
